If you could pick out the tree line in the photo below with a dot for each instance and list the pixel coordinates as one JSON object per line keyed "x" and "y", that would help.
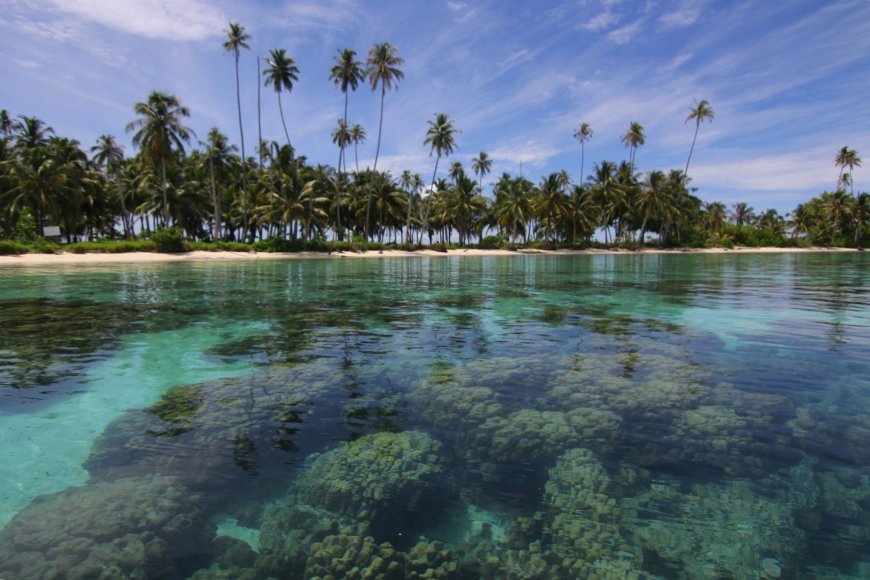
{"x": 215, "y": 192}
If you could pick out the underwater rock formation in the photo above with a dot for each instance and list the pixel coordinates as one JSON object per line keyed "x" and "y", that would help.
{"x": 714, "y": 530}
{"x": 130, "y": 528}
{"x": 583, "y": 520}
{"x": 378, "y": 478}
{"x": 214, "y": 432}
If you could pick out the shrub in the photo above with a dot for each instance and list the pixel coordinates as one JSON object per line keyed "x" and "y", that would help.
{"x": 43, "y": 246}
{"x": 10, "y": 248}
{"x": 492, "y": 242}
{"x": 168, "y": 241}
{"x": 438, "y": 247}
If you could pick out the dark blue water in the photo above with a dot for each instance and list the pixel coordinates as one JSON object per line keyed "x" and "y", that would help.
{"x": 528, "y": 416}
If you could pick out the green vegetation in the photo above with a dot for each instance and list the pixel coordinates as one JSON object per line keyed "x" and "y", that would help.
{"x": 212, "y": 196}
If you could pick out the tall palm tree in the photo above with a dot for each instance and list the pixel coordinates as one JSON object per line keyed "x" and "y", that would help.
{"x": 383, "y": 69}
{"x": 481, "y": 165}
{"x": 7, "y": 125}
{"x": 607, "y": 193}
{"x": 281, "y": 73}
{"x": 714, "y": 215}
{"x": 583, "y": 134}
{"x": 109, "y": 155}
{"x": 633, "y": 139}
{"x": 700, "y": 112}
{"x": 652, "y": 201}
{"x": 159, "y": 128}
{"x": 219, "y": 153}
{"x": 347, "y": 74}
{"x": 742, "y": 213}
{"x": 844, "y": 158}
{"x": 357, "y": 136}
{"x": 441, "y": 138}
{"x": 551, "y": 204}
{"x": 341, "y": 136}
{"x": 237, "y": 39}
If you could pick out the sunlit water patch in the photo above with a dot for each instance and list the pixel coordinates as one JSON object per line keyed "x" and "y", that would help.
{"x": 44, "y": 451}
{"x": 551, "y": 417}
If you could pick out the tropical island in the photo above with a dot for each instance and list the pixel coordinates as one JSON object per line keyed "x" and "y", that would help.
{"x": 616, "y": 377}
{"x": 177, "y": 193}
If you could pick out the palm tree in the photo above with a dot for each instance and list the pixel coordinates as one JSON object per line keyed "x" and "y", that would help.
{"x": 550, "y": 204}
{"x": 7, "y": 125}
{"x": 481, "y": 165}
{"x": 742, "y": 213}
{"x": 357, "y": 136}
{"x": 633, "y": 139}
{"x": 109, "y": 155}
{"x": 346, "y": 74}
{"x": 281, "y": 73}
{"x": 341, "y": 136}
{"x": 844, "y": 158}
{"x": 158, "y": 129}
{"x": 383, "y": 69}
{"x": 237, "y": 39}
{"x": 219, "y": 153}
{"x": 652, "y": 201}
{"x": 700, "y": 112}
{"x": 583, "y": 134}
{"x": 513, "y": 207}
{"x": 607, "y": 193}
{"x": 456, "y": 171}
{"x": 714, "y": 215}
{"x": 441, "y": 139}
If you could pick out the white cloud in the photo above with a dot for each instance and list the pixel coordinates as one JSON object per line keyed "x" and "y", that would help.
{"x": 182, "y": 20}
{"x": 625, "y": 34}
{"x": 530, "y": 153}
{"x": 601, "y": 21}
{"x": 680, "y": 18}
{"x": 808, "y": 169}
{"x": 461, "y": 10}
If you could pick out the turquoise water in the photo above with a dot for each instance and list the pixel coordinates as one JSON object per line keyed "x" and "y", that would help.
{"x": 527, "y": 416}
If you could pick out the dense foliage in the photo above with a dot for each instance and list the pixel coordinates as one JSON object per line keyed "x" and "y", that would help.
{"x": 212, "y": 194}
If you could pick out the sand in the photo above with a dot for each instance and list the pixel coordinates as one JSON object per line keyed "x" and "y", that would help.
{"x": 146, "y": 257}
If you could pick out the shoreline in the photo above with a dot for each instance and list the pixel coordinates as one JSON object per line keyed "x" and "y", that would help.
{"x": 65, "y": 258}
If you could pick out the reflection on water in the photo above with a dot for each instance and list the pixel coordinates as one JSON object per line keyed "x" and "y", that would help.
{"x": 540, "y": 417}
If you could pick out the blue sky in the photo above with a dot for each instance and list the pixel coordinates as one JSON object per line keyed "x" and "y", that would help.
{"x": 789, "y": 81}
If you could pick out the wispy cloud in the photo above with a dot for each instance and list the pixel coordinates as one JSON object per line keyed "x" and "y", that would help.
{"x": 680, "y": 18}
{"x": 601, "y": 21}
{"x": 625, "y": 34}
{"x": 178, "y": 20}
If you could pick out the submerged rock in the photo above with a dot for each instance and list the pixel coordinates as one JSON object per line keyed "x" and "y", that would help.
{"x": 714, "y": 530}
{"x": 131, "y": 528}
{"x": 380, "y": 478}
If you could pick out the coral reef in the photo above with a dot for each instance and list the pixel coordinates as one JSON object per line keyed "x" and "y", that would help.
{"x": 132, "y": 528}
{"x": 380, "y": 478}
{"x": 583, "y": 520}
{"x": 713, "y": 530}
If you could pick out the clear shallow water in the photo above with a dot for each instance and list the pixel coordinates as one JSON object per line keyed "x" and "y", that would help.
{"x": 697, "y": 415}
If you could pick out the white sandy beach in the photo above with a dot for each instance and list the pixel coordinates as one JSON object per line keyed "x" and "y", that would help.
{"x": 145, "y": 257}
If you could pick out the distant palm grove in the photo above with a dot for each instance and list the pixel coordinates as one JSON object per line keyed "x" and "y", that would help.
{"x": 211, "y": 190}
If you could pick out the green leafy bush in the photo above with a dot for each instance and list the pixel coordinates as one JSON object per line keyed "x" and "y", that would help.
{"x": 492, "y": 243}
{"x": 438, "y": 247}
{"x": 10, "y": 248}
{"x": 168, "y": 241}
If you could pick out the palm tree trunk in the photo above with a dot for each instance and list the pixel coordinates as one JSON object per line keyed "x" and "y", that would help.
{"x": 281, "y": 110}
{"x": 697, "y": 126}
{"x": 429, "y": 201}
{"x": 242, "y": 138}
{"x": 408, "y": 221}
{"x": 165, "y": 204}
{"x": 217, "y": 207}
{"x": 380, "y": 126}
{"x": 259, "y": 120}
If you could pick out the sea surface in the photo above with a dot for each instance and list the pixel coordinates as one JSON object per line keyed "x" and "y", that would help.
{"x": 630, "y": 416}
